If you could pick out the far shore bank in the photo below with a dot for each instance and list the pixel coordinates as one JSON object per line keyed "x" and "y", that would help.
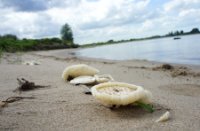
{"x": 110, "y": 42}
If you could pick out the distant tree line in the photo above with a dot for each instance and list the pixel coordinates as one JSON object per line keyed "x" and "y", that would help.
{"x": 181, "y": 32}
{"x": 170, "y": 34}
{"x": 11, "y": 43}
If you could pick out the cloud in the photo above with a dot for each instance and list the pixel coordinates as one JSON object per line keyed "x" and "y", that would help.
{"x": 24, "y": 5}
{"x": 182, "y": 14}
{"x": 189, "y": 17}
{"x": 129, "y": 12}
{"x": 26, "y": 24}
{"x": 177, "y": 5}
{"x": 36, "y": 5}
{"x": 97, "y": 20}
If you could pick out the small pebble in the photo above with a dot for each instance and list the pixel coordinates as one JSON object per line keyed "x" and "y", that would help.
{"x": 88, "y": 92}
{"x": 2, "y": 104}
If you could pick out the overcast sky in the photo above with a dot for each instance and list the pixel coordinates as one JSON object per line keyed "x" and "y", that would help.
{"x": 97, "y": 20}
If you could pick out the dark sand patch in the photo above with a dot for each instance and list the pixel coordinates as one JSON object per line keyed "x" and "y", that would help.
{"x": 175, "y": 71}
{"x": 106, "y": 62}
{"x": 12, "y": 58}
{"x": 73, "y": 58}
{"x": 136, "y": 67}
{"x": 183, "y": 89}
{"x": 164, "y": 67}
{"x": 129, "y": 111}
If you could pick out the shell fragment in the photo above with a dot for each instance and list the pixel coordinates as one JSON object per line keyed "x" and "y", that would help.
{"x": 164, "y": 117}
{"x": 31, "y": 63}
{"x": 118, "y": 93}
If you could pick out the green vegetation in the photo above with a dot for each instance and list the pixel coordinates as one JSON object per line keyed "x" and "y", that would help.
{"x": 147, "y": 107}
{"x": 10, "y": 42}
{"x": 170, "y": 34}
{"x": 1, "y": 53}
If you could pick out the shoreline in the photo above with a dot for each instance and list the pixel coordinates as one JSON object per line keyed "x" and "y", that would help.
{"x": 68, "y": 53}
{"x": 135, "y": 40}
{"x": 64, "y": 106}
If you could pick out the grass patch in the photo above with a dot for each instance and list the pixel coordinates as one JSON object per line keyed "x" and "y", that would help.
{"x": 1, "y": 52}
{"x": 147, "y": 107}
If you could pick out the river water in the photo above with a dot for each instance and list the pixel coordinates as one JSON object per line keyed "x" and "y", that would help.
{"x": 182, "y": 51}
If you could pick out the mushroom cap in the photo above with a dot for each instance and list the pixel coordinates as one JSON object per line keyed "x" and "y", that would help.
{"x": 103, "y": 78}
{"x": 118, "y": 93}
{"x": 78, "y": 70}
{"x": 83, "y": 80}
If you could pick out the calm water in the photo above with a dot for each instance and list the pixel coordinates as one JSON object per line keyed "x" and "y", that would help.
{"x": 183, "y": 51}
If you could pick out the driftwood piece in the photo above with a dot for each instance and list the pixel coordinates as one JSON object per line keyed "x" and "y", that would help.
{"x": 25, "y": 85}
{"x": 12, "y": 99}
{"x": 16, "y": 98}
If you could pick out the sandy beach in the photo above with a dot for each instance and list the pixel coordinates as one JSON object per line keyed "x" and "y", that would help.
{"x": 63, "y": 106}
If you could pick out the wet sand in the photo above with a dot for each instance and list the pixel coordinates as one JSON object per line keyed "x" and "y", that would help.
{"x": 65, "y": 107}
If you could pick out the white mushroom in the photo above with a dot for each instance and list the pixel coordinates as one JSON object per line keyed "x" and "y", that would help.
{"x": 118, "y": 93}
{"x": 89, "y": 80}
{"x": 147, "y": 99}
{"x": 103, "y": 78}
{"x": 78, "y": 70}
{"x": 83, "y": 80}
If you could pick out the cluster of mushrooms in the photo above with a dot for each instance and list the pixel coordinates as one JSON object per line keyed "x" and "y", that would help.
{"x": 109, "y": 92}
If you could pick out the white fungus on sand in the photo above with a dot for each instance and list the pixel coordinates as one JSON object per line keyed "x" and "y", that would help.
{"x": 83, "y": 80}
{"x": 120, "y": 94}
{"x": 78, "y": 70}
{"x": 91, "y": 80}
{"x": 103, "y": 78}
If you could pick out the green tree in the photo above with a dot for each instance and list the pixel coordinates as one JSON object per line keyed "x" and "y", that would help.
{"x": 177, "y": 32}
{"x": 10, "y": 36}
{"x": 170, "y": 34}
{"x": 181, "y": 32}
{"x": 66, "y": 33}
{"x": 110, "y": 41}
{"x": 195, "y": 30}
